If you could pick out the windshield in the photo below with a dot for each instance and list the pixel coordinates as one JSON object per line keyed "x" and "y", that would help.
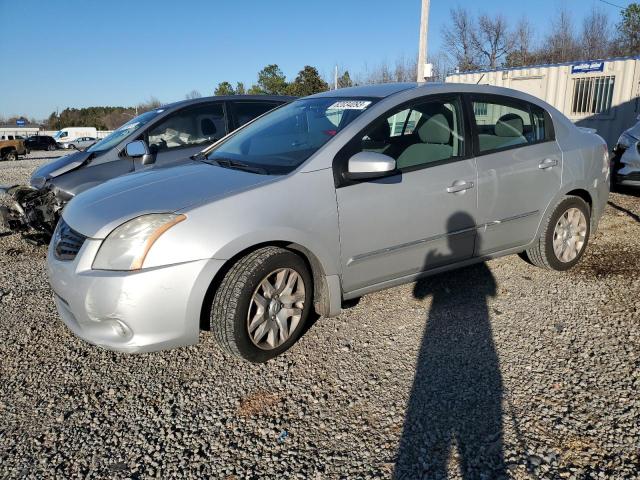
{"x": 60, "y": 134}
{"x": 131, "y": 126}
{"x": 281, "y": 140}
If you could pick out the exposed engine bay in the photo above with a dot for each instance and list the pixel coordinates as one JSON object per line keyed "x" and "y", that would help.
{"x": 29, "y": 209}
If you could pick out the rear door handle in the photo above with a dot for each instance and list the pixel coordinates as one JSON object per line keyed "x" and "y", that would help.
{"x": 459, "y": 186}
{"x": 547, "y": 163}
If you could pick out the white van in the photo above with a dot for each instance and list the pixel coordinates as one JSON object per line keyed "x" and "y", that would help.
{"x": 69, "y": 134}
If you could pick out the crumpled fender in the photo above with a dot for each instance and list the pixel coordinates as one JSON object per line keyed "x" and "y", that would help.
{"x": 58, "y": 167}
{"x": 4, "y": 189}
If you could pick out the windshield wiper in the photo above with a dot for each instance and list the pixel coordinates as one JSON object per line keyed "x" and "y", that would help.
{"x": 228, "y": 163}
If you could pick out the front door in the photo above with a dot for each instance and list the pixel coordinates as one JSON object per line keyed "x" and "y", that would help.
{"x": 519, "y": 171}
{"x": 421, "y": 218}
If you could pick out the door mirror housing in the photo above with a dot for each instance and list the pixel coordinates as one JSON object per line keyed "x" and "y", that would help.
{"x": 369, "y": 165}
{"x": 138, "y": 149}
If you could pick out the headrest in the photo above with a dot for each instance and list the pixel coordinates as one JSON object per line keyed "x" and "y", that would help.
{"x": 435, "y": 130}
{"x": 381, "y": 133}
{"x": 509, "y": 125}
{"x": 208, "y": 127}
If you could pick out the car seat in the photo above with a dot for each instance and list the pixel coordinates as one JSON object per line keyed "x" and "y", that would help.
{"x": 509, "y": 131}
{"x": 435, "y": 143}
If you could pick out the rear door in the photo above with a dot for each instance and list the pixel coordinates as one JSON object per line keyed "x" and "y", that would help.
{"x": 519, "y": 169}
{"x": 186, "y": 132}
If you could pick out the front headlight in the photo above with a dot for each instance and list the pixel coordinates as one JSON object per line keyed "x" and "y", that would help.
{"x": 127, "y": 246}
{"x": 625, "y": 141}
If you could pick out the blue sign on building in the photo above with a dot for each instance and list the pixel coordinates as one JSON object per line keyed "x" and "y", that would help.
{"x": 588, "y": 67}
{"x": 21, "y": 122}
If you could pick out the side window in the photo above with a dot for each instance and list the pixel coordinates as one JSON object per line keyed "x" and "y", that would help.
{"x": 246, "y": 111}
{"x": 424, "y": 133}
{"x": 191, "y": 126}
{"x": 507, "y": 124}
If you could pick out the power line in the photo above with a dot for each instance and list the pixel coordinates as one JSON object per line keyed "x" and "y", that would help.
{"x": 612, "y": 4}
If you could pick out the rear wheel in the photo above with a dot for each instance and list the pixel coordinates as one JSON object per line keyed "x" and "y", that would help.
{"x": 262, "y": 304}
{"x": 564, "y": 237}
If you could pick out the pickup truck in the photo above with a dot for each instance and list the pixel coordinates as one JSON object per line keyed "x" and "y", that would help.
{"x": 10, "y": 149}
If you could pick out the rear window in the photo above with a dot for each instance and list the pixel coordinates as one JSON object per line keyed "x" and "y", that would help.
{"x": 508, "y": 124}
{"x": 244, "y": 112}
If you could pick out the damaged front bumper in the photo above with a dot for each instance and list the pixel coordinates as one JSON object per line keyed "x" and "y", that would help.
{"x": 27, "y": 209}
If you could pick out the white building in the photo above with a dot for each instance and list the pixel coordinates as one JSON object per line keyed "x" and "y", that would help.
{"x": 600, "y": 94}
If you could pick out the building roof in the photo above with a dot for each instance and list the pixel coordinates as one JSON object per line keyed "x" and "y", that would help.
{"x": 544, "y": 65}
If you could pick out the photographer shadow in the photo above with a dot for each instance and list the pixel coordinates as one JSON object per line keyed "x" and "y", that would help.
{"x": 456, "y": 399}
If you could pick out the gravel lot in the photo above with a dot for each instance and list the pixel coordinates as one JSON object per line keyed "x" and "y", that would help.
{"x": 498, "y": 370}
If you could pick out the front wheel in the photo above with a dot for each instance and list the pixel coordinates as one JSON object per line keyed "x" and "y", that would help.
{"x": 262, "y": 304}
{"x": 11, "y": 156}
{"x": 51, "y": 148}
{"x": 564, "y": 236}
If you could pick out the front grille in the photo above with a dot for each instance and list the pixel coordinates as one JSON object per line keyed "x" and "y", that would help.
{"x": 633, "y": 176}
{"x": 66, "y": 241}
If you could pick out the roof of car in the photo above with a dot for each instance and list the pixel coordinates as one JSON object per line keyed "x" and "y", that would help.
{"x": 195, "y": 101}
{"x": 379, "y": 90}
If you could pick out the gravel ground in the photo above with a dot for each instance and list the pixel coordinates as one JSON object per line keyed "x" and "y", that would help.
{"x": 16, "y": 172}
{"x": 499, "y": 370}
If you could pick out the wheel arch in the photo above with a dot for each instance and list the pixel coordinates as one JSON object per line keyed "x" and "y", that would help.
{"x": 576, "y": 190}
{"x": 321, "y": 289}
{"x": 8, "y": 149}
{"x": 583, "y": 194}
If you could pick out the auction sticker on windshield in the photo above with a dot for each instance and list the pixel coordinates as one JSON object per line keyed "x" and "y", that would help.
{"x": 350, "y": 105}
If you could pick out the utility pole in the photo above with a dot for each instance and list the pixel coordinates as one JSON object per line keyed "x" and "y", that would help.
{"x": 335, "y": 78}
{"x": 422, "y": 45}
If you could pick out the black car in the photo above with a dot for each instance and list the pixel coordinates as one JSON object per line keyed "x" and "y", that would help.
{"x": 40, "y": 142}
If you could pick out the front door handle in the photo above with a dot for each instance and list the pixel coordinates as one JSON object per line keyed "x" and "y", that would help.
{"x": 547, "y": 163}
{"x": 459, "y": 186}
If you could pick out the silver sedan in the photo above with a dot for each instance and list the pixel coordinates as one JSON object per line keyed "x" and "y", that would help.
{"x": 320, "y": 201}
{"x": 79, "y": 143}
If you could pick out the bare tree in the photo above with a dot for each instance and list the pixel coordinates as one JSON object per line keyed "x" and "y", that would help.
{"x": 406, "y": 69}
{"x": 492, "y": 40}
{"x": 441, "y": 66}
{"x": 523, "y": 49}
{"x": 560, "y": 44}
{"x": 596, "y": 36}
{"x": 150, "y": 104}
{"x": 193, "y": 94}
{"x": 458, "y": 40}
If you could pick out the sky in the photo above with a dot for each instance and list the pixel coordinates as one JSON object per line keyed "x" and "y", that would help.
{"x": 75, "y": 53}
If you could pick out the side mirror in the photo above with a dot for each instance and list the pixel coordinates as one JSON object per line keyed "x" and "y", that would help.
{"x": 139, "y": 149}
{"x": 368, "y": 165}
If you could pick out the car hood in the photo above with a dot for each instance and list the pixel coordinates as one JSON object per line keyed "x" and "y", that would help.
{"x": 634, "y": 131}
{"x": 97, "y": 211}
{"x": 58, "y": 167}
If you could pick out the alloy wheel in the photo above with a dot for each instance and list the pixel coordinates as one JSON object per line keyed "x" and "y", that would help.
{"x": 569, "y": 235}
{"x": 276, "y": 308}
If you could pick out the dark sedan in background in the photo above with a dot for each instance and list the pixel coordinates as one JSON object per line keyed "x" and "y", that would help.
{"x": 40, "y": 142}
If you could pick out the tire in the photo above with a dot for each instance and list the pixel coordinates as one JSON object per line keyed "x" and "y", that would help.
{"x": 10, "y": 156}
{"x": 543, "y": 254}
{"x": 51, "y": 148}
{"x": 233, "y": 304}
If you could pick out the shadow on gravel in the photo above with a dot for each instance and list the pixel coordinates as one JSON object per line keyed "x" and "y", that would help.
{"x": 624, "y": 210}
{"x": 455, "y": 407}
